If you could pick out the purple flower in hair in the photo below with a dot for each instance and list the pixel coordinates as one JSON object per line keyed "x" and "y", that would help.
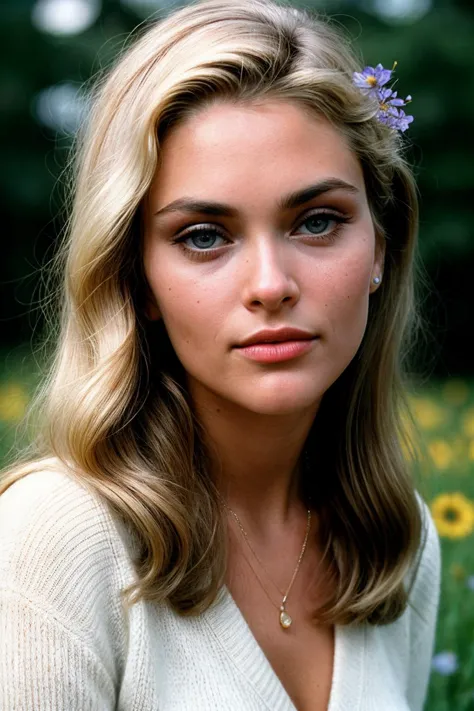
{"x": 390, "y": 112}
{"x": 388, "y": 99}
{"x": 402, "y": 121}
{"x": 395, "y": 118}
{"x": 371, "y": 79}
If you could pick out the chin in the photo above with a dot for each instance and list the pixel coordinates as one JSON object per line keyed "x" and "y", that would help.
{"x": 284, "y": 401}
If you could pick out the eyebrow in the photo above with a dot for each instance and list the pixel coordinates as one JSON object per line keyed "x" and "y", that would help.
{"x": 288, "y": 202}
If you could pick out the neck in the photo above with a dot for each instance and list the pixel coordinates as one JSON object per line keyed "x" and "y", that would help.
{"x": 256, "y": 461}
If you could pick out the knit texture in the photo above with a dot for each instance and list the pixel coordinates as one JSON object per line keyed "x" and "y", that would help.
{"x": 67, "y": 645}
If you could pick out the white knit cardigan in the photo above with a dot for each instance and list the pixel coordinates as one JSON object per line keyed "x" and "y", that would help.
{"x": 65, "y": 644}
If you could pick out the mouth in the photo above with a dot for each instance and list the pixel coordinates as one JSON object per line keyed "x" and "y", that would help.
{"x": 273, "y": 337}
{"x": 277, "y": 351}
{"x": 276, "y": 343}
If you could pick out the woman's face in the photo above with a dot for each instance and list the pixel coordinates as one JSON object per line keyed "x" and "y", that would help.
{"x": 257, "y": 218}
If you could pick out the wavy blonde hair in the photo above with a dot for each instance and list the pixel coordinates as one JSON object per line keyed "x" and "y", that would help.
{"x": 114, "y": 411}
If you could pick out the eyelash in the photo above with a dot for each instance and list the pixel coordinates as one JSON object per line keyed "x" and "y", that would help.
{"x": 202, "y": 254}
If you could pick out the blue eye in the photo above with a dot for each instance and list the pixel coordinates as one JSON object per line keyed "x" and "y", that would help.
{"x": 204, "y": 237}
{"x": 318, "y": 223}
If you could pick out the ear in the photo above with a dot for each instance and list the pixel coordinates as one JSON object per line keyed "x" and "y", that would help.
{"x": 379, "y": 261}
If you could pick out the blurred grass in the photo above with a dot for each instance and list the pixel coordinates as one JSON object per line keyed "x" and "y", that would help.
{"x": 444, "y": 411}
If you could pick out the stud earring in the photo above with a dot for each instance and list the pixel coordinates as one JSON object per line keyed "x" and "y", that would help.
{"x": 376, "y": 280}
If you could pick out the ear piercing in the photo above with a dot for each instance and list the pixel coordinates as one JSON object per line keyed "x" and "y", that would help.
{"x": 376, "y": 280}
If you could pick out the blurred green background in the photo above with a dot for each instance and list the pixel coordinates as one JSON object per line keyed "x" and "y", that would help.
{"x": 50, "y": 48}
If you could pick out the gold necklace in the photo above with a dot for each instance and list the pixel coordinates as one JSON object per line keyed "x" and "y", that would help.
{"x": 285, "y": 619}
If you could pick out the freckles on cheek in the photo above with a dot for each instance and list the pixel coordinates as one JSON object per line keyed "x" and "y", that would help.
{"x": 354, "y": 286}
{"x": 354, "y": 273}
{"x": 191, "y": 315}
{"x": 349, "y": 300}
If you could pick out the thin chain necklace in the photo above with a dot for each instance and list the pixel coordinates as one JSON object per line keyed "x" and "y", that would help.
{"x": 285, "y": 619}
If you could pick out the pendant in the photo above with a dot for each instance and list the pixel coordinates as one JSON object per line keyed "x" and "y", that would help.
{"x": 285, "y": 619}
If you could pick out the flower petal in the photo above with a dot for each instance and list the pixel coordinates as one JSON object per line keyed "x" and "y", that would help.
{"x": 445, "y": 663}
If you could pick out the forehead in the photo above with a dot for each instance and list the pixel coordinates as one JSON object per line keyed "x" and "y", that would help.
{"x": 259, "y": 148}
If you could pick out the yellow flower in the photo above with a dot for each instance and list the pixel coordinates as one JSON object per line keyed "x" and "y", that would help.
{"x": 427, "y": 413}
{"x": 456, "y": 391}
{"x": 457, "y": 571}
{"x": 13, "y": 402}
{"x": 453, "y": 515}
{"x": 468, "y": 422}
{"x": 441, "y": 453}
{"x": 459, "y": 446}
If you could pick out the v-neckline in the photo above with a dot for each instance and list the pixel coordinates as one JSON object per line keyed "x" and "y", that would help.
{"x": 234, "y": 634}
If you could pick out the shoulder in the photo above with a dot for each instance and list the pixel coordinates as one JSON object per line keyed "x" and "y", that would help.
{"x": 430, "y": 544}
{"x": 37, "y": 498}
{"x": 60, "y": 547}
{"x": 426, "y": 583}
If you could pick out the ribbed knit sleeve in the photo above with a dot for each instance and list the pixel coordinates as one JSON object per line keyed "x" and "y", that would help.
{"x": 425, "y": 598}
{"x": 44, "y": 666}
{"x": 61, "y": 627}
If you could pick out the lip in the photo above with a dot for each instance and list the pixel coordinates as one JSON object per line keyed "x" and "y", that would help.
{"x": 277, "y": 352}
{"x": 279, "y": 335}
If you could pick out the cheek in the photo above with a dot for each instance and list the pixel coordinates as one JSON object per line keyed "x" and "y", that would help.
{"x": 191, "y": 311}
{"x": 346, "y": 298}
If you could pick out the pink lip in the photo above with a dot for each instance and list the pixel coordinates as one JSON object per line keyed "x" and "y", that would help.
{"x": 276, "y": 352}
{"x": 277, "y": 335}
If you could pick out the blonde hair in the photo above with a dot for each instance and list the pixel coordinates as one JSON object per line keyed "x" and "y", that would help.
{"x": 127, "y": 430}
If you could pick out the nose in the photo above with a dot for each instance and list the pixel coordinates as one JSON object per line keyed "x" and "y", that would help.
{"x": 268, "y": 278}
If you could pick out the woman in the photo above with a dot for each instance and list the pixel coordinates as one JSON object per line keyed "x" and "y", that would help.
{"x": 219, "y": 514}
